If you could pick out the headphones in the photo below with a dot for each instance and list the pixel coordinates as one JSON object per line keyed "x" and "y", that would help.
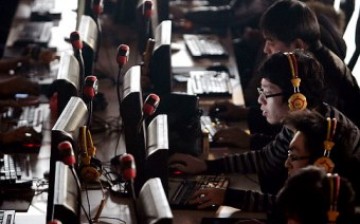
{"x": 90, "y": 167}
{"x": 325, "y": 161}
{"x": 297, "y": 100}
{"x": 334, "y": 188}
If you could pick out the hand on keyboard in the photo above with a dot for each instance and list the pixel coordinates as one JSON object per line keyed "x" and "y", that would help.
{"x": 187, "y": 163}
{"x": 209, "y": 197}
{"x": 227, "y": 111}
{"x": 21, "y": 135}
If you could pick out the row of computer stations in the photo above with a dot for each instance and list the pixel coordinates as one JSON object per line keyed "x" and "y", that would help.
{"x": 63, "y": 197}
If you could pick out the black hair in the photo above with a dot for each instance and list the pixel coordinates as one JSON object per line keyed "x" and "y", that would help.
{"x": 314, "y": 126}
{"x": 287, "y": 20}
{"x": 276, "y": 69}
{"x": 305, "y": 197}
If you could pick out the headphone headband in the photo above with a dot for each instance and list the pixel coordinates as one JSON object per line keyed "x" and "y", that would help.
{"x": 334, "y": 189}
{"x": 297, "y": 100}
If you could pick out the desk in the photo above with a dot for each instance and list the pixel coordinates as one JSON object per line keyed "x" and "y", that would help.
{"x": 107, "y": 145}
{"x": 61, "y": 29}
{"x": 182, "y": 62}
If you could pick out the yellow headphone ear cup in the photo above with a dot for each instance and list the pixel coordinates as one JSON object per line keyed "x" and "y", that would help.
{"x": 297, "y": 101}
{"x": 90, "y": 173}
{"x": 326, "y": 163}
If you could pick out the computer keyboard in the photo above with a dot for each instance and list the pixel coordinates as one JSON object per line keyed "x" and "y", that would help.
{"x": 45, "y": 10}
{"x": 184, "y": 190}
{"x": 210, "y": 83}
{"x": 34, "y": 33}
{"x": 7, "y": 216}
{"x": 210, "y": 125}
{"x": 15, "y": 171}
{"x": 32, "y": 116}
{"x": 205, "y": 46}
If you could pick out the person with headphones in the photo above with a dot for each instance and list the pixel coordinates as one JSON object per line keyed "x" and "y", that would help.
{"x": 289, "y": 81}
{"x": 301, "y": 30}
{"x": 314, "y": 196}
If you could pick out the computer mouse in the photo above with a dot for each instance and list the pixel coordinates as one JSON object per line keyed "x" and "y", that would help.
{"x": 174, "y": 170}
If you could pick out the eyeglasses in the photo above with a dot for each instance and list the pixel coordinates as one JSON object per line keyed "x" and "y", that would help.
{"x": 293, "y": 158}
{"x": 261, "y": 93}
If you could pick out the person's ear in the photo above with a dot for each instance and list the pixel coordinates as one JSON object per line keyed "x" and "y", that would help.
{"x": 299, "y": 44}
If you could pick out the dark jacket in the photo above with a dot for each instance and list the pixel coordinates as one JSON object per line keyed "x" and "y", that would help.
{"x": 341, "y": 87}
{"x": 269, "y": 162}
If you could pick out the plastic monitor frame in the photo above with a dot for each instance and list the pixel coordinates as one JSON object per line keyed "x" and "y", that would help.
{"x": 88, "y": 32}
{"x": 66, "y": 128}
{"x": 160, "y": 71}
{"x": 67, "y": 82}
{"x": 157, "y": 150}
{"x": 152, "y": 204}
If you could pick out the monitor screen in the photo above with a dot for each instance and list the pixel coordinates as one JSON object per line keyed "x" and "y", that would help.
{"x": 133, "y": 125}
{"x": 66, "y": 84}
{"x": 66, "y": 128}
{"x": 88, "y": 32}
{"x": 160, "y": 62}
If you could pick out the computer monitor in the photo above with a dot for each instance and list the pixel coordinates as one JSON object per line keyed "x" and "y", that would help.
{"x": 183, "y": 116}
{"x": 66, "y": 84}
{"x": 133, "y": 125}
{"x": 66, "y": 128}
{"x": 144, "y": 23}
{"x": 160, "y": 62}
{"x": 89, "y": 34}
{"x": 157, "y": 146}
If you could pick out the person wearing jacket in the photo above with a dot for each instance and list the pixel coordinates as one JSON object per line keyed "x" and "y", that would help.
{"x": 300, "y": 30}
{"x": 268, "y": 163}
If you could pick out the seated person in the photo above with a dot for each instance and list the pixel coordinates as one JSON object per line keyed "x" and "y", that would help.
{"x": 237, "y": 13}
{"x": 314, "y": 196}
{"x": 305, "y": 148}
{"x": 297, "y": 32}
{"x": 276, "y": 101}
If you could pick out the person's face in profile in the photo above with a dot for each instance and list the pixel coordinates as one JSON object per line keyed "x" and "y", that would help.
{"x": 272, "y": 105}
{"x": 273, "y": 46}
{"x": 298, "y": 156}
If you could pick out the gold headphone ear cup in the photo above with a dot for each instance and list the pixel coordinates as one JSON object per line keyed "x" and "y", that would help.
{"x": 90, "y": 173}
{"x": 326, "y": 163}
{"x": 297, "y": 101}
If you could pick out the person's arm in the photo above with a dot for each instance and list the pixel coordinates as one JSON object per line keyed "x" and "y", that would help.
{"x": 248, "y": 200}
{"x": 268, "y": 162}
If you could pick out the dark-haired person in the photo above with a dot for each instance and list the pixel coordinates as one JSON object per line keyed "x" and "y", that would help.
{"x": 275, "y": 90}
{"x": 306, "y": 148}
{"x": 286, "y": 26}
{"x": 314, "y": 196}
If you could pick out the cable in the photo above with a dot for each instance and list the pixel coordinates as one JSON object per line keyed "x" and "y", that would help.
{"x": 78, "y": 185}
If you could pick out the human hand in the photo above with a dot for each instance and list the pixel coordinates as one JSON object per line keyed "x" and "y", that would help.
{"x": 21, "y": 134}
{"x": 208, "y": 197}
{"x": 227, "y": 111}
{"x": 18, "y": 84}
{"x": 232, "y": 136}
{"x": 187, "y": 163}
{"x": 19, "y": 103}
